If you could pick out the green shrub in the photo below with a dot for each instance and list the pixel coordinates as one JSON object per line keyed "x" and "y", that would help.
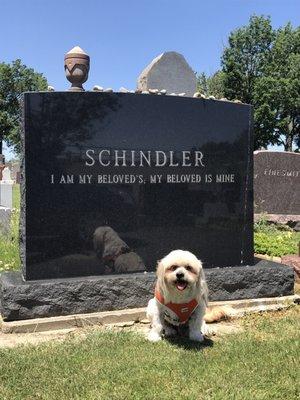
{"x": 274, "y": 241}
{"x": 262, "y": 225}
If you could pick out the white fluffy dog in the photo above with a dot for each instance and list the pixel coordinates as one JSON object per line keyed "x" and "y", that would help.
{"x": 181, "y": 297}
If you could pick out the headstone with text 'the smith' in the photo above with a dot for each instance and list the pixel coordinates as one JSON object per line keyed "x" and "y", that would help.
{"x": 277, "y": 185}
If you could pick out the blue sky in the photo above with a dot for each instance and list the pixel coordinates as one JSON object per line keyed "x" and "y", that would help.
{"x": 123, "y": 36}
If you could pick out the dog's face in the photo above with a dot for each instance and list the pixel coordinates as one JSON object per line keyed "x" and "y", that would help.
{"x": 179, "y": 275}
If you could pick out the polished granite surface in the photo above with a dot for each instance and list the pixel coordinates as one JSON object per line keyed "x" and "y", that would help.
{"x": 277, "y": 182}
{"x": 115, "y": 181}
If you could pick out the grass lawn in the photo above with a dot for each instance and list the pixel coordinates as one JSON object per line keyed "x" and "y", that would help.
{"x": 260, "y": 363}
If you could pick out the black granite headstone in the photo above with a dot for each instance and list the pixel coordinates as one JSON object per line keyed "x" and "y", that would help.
{"x": 277, "y": 182}
{"x": 113, "y": 182}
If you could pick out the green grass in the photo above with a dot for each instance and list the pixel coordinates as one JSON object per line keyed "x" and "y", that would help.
{"x": 9, "y": 245}
{"x": 276, "y": 244}
{"x": 260, "y": 364}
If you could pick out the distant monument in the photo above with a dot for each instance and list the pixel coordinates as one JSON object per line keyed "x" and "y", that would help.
{"x": 171, "y": 72}
{"x": 6, "y": 185}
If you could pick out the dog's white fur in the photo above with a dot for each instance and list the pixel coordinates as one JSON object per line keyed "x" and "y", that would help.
{"x": 187, "y": 264}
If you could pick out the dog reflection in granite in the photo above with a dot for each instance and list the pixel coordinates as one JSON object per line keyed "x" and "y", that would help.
{"x": 181, "y": 298}
{"x": 115, "y": 254}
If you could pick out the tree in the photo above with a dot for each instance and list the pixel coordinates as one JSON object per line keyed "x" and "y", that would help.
{"x": 261, "y": 66}
{"x": 277, "y": 93}
{"x": 211, "y": 85}
{"x": 245, "y": 58}
{"x": 15, "y": 78}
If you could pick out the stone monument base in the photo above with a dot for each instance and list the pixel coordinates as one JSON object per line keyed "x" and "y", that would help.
{"x": 278, "y": 218}
{"x": 46, "y": 298}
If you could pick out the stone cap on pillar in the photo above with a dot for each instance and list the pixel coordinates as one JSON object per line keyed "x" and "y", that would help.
{"x": 6, "y": 176}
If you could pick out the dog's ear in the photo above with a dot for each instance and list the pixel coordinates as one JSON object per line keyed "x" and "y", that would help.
{"x": 204, "y": 288}
{"x": 202, "y": 284}
{"x": 159, "y": 269}
{"x": 160, "y": 273}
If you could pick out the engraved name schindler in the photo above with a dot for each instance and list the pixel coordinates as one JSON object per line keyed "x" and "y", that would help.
{"x": 138, "y": 158}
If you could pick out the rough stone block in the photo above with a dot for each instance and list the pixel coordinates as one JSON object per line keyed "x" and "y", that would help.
{"x": 46, "y": 298}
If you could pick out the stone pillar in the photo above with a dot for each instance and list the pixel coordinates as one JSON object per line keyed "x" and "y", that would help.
{"x": 6, "y": 185}
{"x": 2, "y": 164}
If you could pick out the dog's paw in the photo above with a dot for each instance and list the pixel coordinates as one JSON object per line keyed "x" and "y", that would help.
{"x": 169, "y": 331}
{"x": 153, "y": 336}
{"x": 196, "y": 336}
{"x": 206, "y": 330}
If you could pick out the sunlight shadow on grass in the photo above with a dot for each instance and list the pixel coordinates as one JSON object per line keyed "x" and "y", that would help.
{"x": 187, "y": 344}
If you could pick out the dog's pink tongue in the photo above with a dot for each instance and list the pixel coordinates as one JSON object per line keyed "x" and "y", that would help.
{"x": 181, "y": 285}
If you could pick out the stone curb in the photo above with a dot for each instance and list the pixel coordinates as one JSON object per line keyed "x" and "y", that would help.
{"x": 279, "y": 218}
{"x": 266, "y": 257}
{"x": 238, "y": 307}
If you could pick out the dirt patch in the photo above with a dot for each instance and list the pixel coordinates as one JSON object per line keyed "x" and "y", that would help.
{"x": 9, "y": 340}
{"x": 19, "y": 339}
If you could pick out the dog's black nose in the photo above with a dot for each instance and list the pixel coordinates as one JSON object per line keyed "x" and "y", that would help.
{"x": 179, "y": 275}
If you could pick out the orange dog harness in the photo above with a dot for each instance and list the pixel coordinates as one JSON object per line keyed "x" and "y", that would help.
{"x": 176, "y": 313}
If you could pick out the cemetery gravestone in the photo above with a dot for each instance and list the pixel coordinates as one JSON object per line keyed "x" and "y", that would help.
{"x": 277, "y": 184}
{"x": 114, "y": 181}
{"x": 119, "y": 182}
{"x": 171, "y": 72}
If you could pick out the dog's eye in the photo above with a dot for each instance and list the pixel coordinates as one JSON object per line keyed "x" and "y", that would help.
{"x": 188, "y": 268}
{"x": 173, "y": 267}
